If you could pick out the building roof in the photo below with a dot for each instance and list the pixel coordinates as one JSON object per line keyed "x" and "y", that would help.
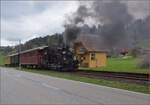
{"x": 91, "y": 43}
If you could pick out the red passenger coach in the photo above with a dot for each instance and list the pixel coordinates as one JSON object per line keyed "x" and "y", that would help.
{"x": 32, "y": 57}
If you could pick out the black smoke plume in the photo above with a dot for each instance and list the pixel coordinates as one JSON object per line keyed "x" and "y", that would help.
{"x": 114, "y": 15}
{"x": 71, "y": 33}
{"x": 73, "y": 25}
{"x": 139, "y": 30}
{"x": 110, "y": 21}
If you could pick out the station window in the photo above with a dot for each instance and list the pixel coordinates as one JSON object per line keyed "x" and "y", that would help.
{"x": 92, "y": 56}
{"x": 80, "y": 49}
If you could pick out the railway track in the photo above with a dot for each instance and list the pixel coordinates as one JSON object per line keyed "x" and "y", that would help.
{"x": 120, "y": 76}
{"x": 138, "y": 78}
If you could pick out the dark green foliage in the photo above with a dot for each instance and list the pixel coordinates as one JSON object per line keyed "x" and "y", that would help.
{"x": 42, "y": 41}
{"x": 5, "y": 50}
{"x": 143, "y": 43}
{"x": 33, "y": 43}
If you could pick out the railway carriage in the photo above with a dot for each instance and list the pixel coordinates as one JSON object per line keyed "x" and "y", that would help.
{"x": 15, "y": 59}
{"x": 12, "y": 60}
{"x": 7, "y": 61}
{"x": 32, "y": 58}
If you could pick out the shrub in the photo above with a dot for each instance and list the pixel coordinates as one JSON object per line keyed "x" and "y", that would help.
{"x": 135, "y": 52}
{"x": 128, "y": 54}
{"x": 145, "y": 62}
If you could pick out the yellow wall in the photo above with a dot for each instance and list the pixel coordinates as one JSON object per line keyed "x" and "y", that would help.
{"x": 99, "y": 61}
{"x": 100, "y": 57}
{"x": 76, "y": 47}
{"x": 86, "y": 59}
{"x": 7, "y": 60}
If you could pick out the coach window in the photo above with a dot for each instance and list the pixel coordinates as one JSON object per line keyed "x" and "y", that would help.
{"x": 92, "y": 56}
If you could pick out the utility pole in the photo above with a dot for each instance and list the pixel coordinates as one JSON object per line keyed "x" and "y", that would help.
{"x": 19, "y": 54}
{"x": 48, "y": 40}
{"x": 135, "y": 38}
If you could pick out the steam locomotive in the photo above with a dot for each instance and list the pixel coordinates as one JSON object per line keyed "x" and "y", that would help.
{"x": 60, "y": 58}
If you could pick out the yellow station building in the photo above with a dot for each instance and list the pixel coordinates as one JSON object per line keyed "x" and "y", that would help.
{"x": 89, "y": 52}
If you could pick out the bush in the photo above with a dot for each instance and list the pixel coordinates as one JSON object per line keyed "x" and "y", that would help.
{"x": 128, "y": 54}
{"x": 145, "y": 63}
{"x": 135, "y": 52}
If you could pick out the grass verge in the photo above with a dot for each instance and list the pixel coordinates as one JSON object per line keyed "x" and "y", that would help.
{"x": 114, "y": 84}
{"x": 121, "y": 64}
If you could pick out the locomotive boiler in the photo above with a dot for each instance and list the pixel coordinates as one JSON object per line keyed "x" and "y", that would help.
{"x": 60, "y": 58}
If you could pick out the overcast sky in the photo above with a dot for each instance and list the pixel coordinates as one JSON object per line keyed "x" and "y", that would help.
{"x": 25, "y": 20}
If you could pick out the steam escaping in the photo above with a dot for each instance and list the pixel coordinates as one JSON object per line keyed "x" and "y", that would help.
{"x": 139, "y": 30}
{"x": 115, "y": 17}
{"x": 73, "y": 24}
{"x": 71, "y": 33}
{"x": 112, "y": 15}
{"x": 111, "y": 20}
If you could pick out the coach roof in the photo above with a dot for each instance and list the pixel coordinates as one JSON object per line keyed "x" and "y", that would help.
{"x": 37, "y": 48}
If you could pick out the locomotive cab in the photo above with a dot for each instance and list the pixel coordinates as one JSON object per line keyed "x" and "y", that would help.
{"x": 60, "y": 58}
